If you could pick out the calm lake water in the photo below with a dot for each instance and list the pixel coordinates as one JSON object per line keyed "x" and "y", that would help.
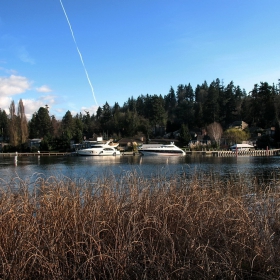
{"x": 247, "y": 168}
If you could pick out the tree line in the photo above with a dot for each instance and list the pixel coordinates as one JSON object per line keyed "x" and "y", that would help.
{"x": 183, "y": 109}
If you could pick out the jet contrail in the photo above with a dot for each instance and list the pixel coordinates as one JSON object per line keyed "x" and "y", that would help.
{"x": 79, "y": 52}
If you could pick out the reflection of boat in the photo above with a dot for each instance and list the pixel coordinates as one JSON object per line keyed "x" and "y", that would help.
{"x": 161, "y": 150}
{"x": 99, "y": 149}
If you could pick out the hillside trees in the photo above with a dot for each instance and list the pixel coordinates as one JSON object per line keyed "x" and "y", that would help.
{"x": 258, "y": 109}
{"x": 152, "y": 114}
{"x": 267, "y": 95}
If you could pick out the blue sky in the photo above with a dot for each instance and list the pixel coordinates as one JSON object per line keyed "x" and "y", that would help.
{"x": 131, "y": 48}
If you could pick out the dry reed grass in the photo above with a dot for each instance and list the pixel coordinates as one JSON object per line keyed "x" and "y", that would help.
{"x": 135, "y": 228}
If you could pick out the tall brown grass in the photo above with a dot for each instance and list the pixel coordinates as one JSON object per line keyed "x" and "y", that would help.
{"x": 129, "y": 227}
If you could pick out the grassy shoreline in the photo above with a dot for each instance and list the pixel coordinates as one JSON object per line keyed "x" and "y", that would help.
{"x": 135, "y": 228}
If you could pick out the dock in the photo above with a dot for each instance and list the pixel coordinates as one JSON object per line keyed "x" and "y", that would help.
{"x": 35, "y": 154}
{"x": 256, "y": 153}
{"x": 272, "y": 152}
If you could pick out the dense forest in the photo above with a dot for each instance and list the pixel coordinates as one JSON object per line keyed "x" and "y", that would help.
{"x": 184, "y": 110}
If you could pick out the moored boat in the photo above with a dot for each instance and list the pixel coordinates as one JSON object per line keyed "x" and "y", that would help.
{"x": 161, "y": 150}
{"x": 242, "y": 147}
{"x": 99, "y": 149}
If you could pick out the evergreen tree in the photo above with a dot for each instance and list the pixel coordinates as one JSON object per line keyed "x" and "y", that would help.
{"x": 140, "y": 105}
{"x": 246, "y": 110}
{"x": 198, "y": 115}
{"x": 170, "y": 100}
{"x": 228, "y": 105}
{"x": 56, "y": 126}
{"x": 189, "y": 93}
{"x": 106, "y": 113}
{"x": 68, "y": 125}
{"x": 185, "y": 136}
{"x": 3, "y": 124}
{"x": 262, "y": 105}
{"x": 170, "y": 104}
{"x": 180, "y": 93}
{"x": 201, "y": 93}
{"x": 98, "y": 113}
{"x": 67, "y": 121}
{"x": 78, "y": 131}
{"x": 239, "y": 96}
{"x": 158, "y": 115}
{"x": 87, "y": 124}
{"x": 211, "y": 107}
{"x": 40, "y": 125}
{"x": 131, "y": 123}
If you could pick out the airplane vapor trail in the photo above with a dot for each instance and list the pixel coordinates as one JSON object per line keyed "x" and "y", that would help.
{"x": 79, "y": 52}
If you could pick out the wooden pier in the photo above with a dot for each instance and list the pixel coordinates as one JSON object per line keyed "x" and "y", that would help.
{"x": 256, "y": 153}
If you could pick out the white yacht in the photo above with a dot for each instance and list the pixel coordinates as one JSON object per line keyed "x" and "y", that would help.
{"x": 98, "y": 149}
{"x": 241, "y": 147}
{"x": 161, "y": 150}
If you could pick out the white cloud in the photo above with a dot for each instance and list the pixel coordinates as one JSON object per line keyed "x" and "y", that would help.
{"x": 13, "y": 85}
{"x": 43, "y": 88}
{"x": 31, "y": 105}
{"x": 5, "y": 102}
{"x": 91, "y": 110}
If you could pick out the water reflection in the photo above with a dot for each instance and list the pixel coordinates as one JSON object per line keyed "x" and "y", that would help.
{"x": 226, "y": 168}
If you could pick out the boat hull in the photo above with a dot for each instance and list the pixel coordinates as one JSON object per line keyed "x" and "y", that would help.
{"x": 92, "y": 152}
{"x": 162, "y": 153}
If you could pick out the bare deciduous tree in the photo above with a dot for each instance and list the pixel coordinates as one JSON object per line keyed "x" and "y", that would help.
{"x": 215, "y": 132}
{"x": 13, "y": 125}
